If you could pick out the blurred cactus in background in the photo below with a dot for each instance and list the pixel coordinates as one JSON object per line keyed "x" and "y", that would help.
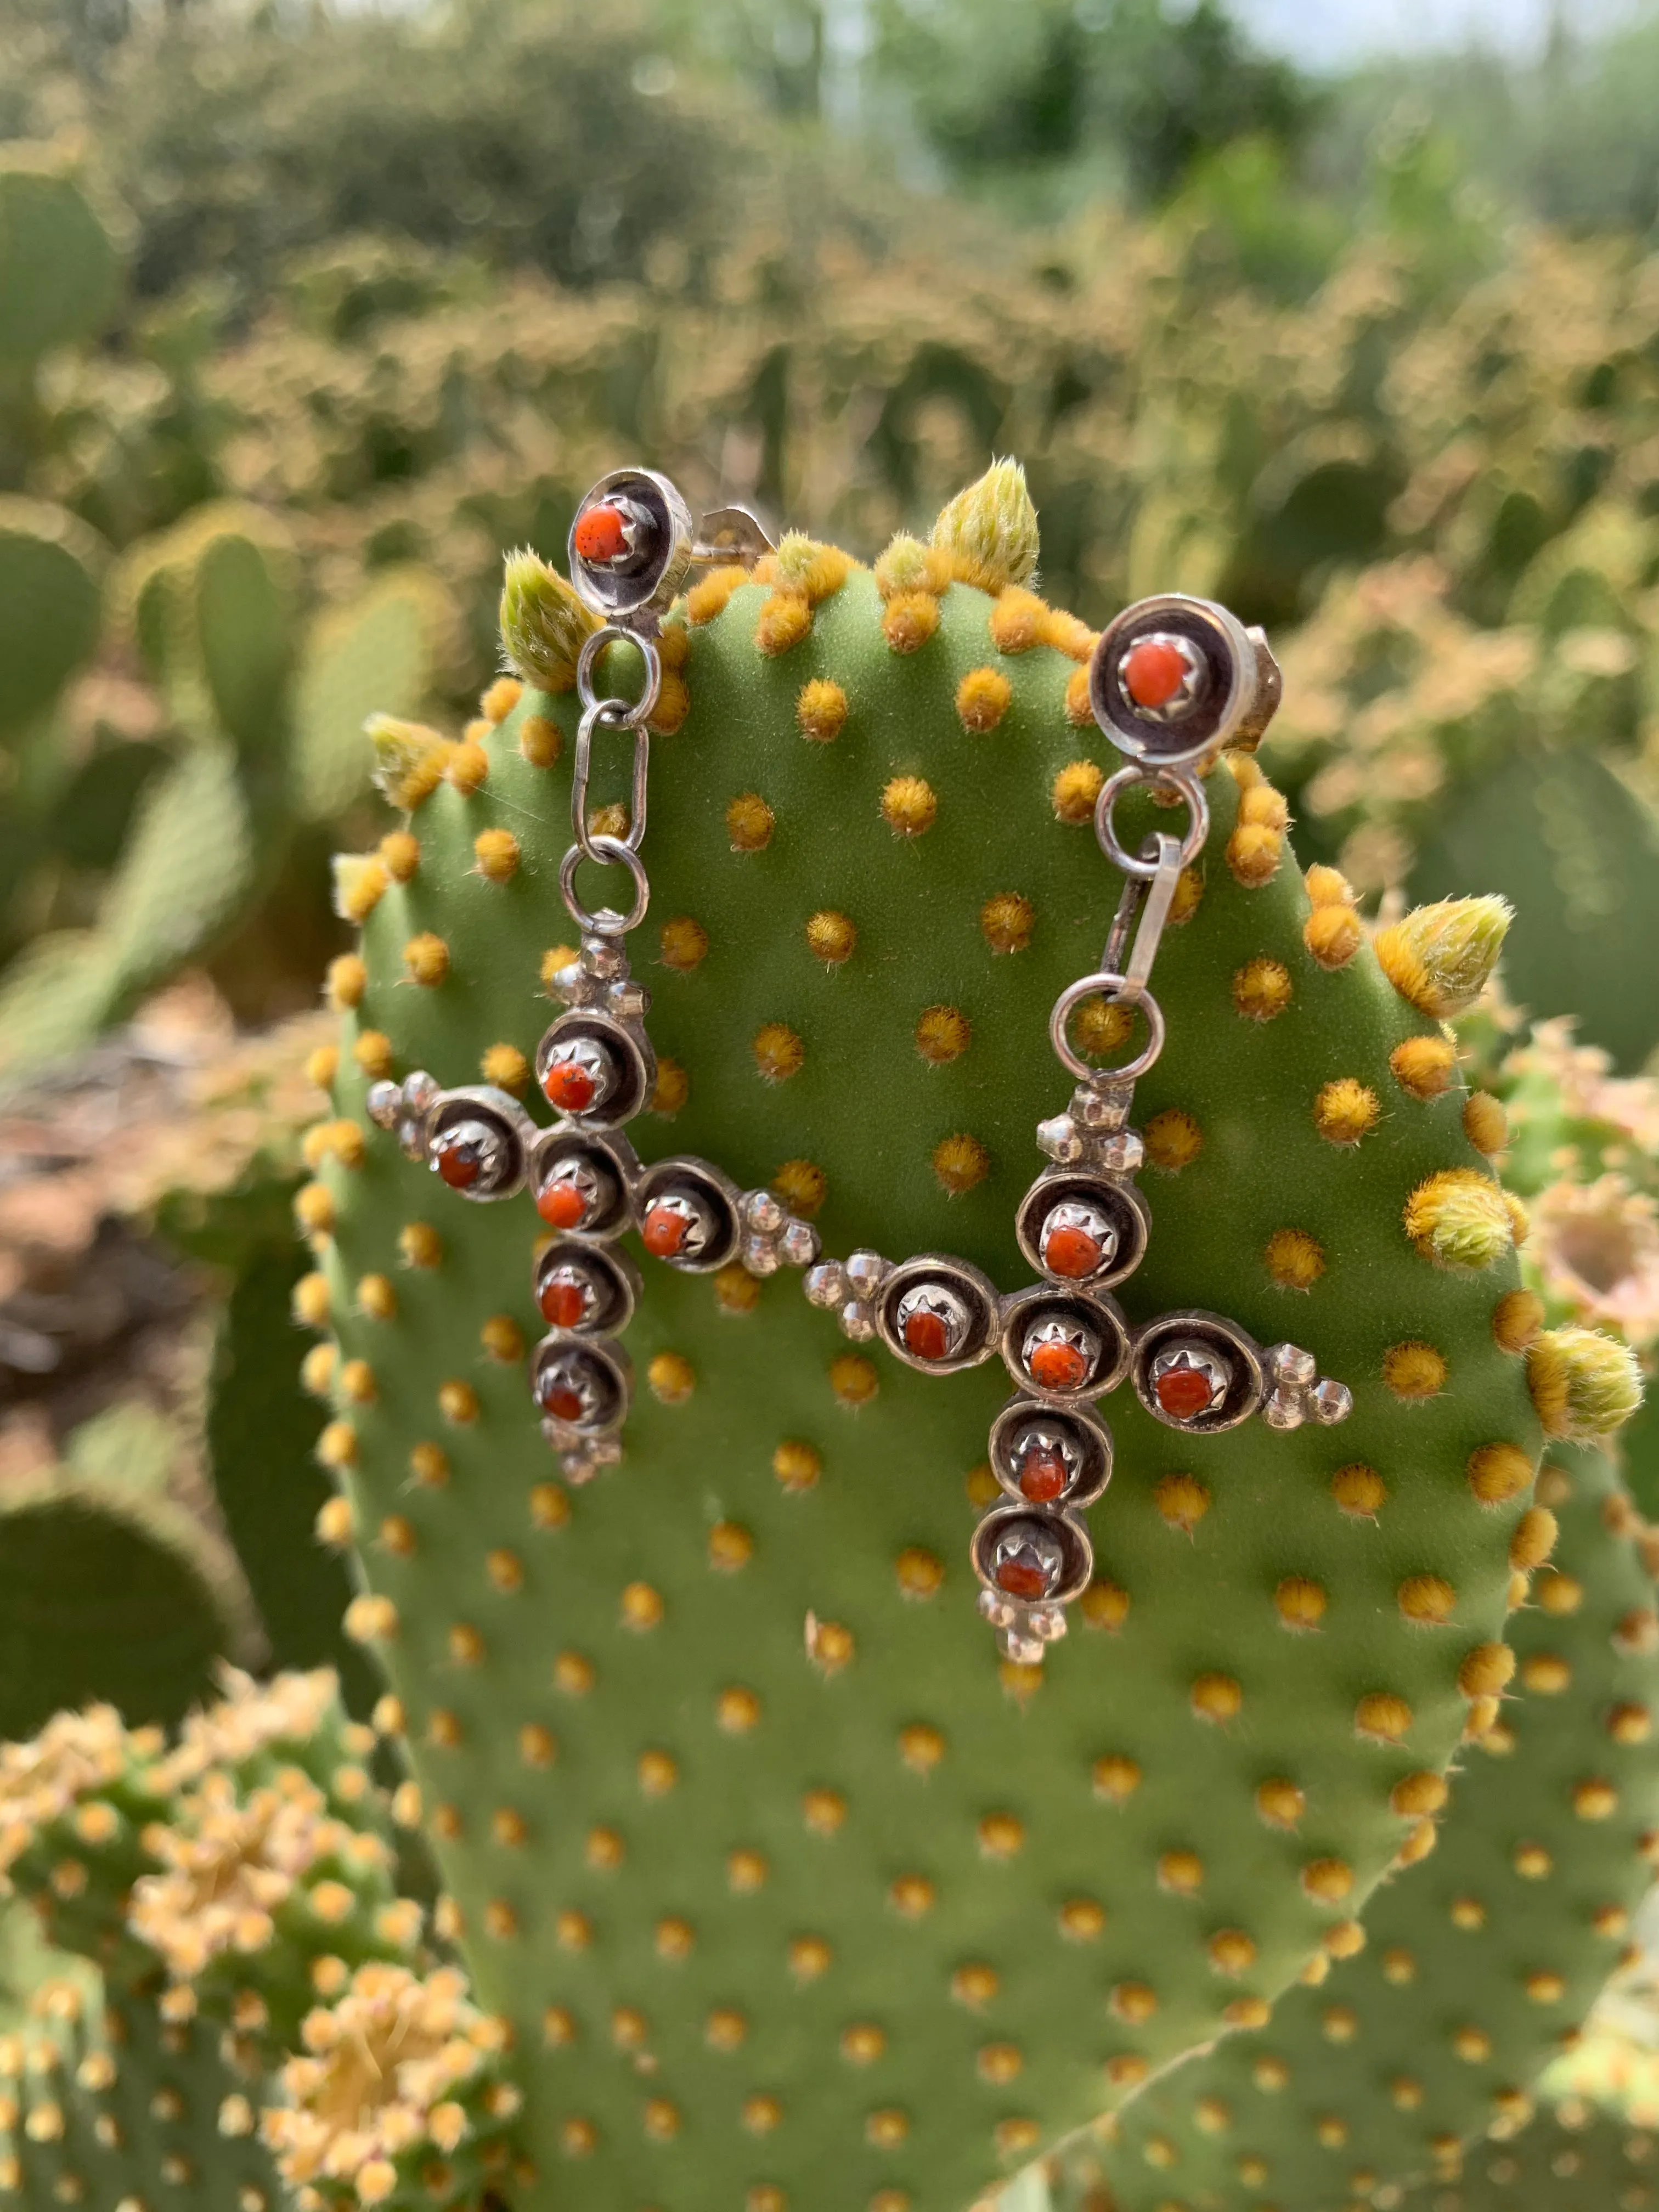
{"x": 1423, "y": 456}
{"x": 178, "y": 719}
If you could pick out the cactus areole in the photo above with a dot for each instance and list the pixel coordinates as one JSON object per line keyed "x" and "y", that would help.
{"x": 706, "y": 1361}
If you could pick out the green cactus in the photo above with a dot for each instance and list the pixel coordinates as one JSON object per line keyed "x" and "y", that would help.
{"x": 1480, "y": 1959}
{"x": 785, "y": 1887}
{"x": 254, "y": 1847}
{"x": 234, "y": 1890}
{"x": 1575, "y": 2153}
{"x": 57, "y": 262}
{"x": 764, "y": 1881}
{"x": 124, "y": 2108}
{"x": 260, "y": 1426}
{"x": 262, "y": 709}
{"x": 49, "y": 604}
{"x": 108, "y": 1592}
{"x": 401, "y": 621}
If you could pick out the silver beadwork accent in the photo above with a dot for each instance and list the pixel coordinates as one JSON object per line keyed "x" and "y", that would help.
{"x": 384, "y": 1103}
{"x": 1060, "y": 1139}
{"x": 402, "y": 1109}
{"x": 598, "y": 978}
{"x": 1330, "y": 1402}
{"x": 997, "y": 1609}
{"x": 799, "y": 1243}
{"x": 1096, "y": 1131}
{"x": 848, "y": 1289}
{"x": 1296, "y": 1394}
{"x": 776, "y": 1237}
{"x": 1103, "y": 1109}
{"x": 580, "y": 1463}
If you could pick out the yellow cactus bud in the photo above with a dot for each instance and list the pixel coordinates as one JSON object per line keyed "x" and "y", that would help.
{"x": 1458, "y": 1218}
{"x": 990, "y": 530}
{"x": 544, "y": 625}
{"x": 909, "y": 805}
{"x": 1017, "y": 620}
{"x": 409, "y": 759}
{"x": 1535, "y": 1536}
{"x": 1440, "y": 956}
{"x": 1583, "y": 1384}
{"x": 816, "y": 571}
{"x": 360, "y": 884}
{"x": 500, "y": 698}
{"x": 426, "y": 959}
{"x": 749, "y": 822}
{"x": 506, "y": 1066}
{"x": 347, "y": 981}
{"x": 907, "y": 565}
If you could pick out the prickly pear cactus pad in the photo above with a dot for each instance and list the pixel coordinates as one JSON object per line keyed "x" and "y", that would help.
{"x": 792, "y": 1891}
{"x": 1480, "y": 1962}
{"x": 1592, "y": 2143}
{"x": 1573, "y": 2154}
{"x": 127, "y": 2109}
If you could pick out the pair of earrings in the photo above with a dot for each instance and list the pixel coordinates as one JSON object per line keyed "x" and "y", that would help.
{"x": 1172, "y": 681}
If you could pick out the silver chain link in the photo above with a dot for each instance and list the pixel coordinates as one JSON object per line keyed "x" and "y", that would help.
{"x": 1153, "y": 876}
{"x": 599, "y": 847}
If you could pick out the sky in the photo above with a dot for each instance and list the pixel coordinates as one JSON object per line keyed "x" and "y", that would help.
{"x": 1328, "y": 33}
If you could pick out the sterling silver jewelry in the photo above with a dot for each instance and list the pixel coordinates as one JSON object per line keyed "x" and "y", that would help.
{"x": 1172, "y": 682}
{"x": 632, "y": 545}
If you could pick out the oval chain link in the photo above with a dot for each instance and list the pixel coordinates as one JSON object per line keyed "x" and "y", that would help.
{"x": 1153, "y": 876}
{"x": 599, "y": 847}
